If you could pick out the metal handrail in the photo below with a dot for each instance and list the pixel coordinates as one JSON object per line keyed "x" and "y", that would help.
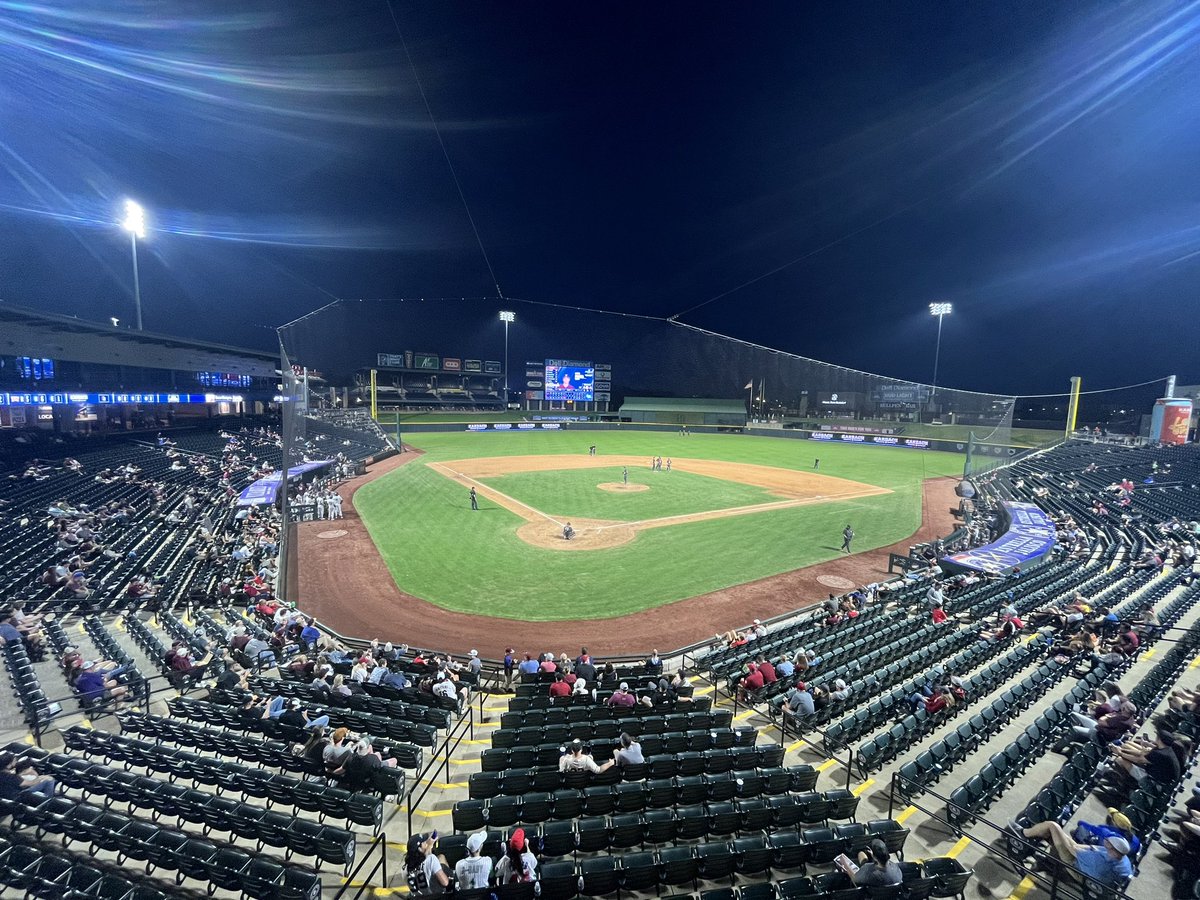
{"x": 1055, "y": 865}
{"x": 458, "y": 733}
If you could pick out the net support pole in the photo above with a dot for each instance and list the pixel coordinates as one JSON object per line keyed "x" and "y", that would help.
{"x": 374, "y": 397}
{"x": 1073, "y": 405}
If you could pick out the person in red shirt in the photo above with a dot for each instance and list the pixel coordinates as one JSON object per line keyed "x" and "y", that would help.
{"x": 753, "y": 681}
{"x": 938, "y": 615}
{"x": 767, "y": 669}
{"x": 560, "y": 688}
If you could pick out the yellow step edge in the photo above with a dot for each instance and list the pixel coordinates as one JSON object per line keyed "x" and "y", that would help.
{"x": 744, "y": 715}
{"x": 958, "y": 848}
{"x": 1022, "y": 889}
{"x": 825, "y": 765}
{"x": 906, "y": 815}
{"x": 796, "y": 746}
{"x": 858, "y": 791}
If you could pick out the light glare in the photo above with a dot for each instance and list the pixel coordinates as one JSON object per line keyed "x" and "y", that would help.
{"x": 506, "y": 316}
{"x": 135, "y": 218}
{"x": 940, "y": 309}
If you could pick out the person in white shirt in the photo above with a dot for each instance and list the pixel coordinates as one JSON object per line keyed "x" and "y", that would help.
{"x": 473, "y": 871}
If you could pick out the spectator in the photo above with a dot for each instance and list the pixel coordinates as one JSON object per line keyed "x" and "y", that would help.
{"x": 1116, "y": 824}
{"x": 426, "y": 873}
{"x": 575, "y": 760}
{"x": 799, "y": 703}
{"x": 18, "y": 776}
{"x": 310, "y": 634}
{"x": 362, "y": 764}
{"x": 335, "y": 754}
{"x": 877, "y": 869}
{"x": 1160, "y": 760}
{"x": 622, "y": 696}
{"x": 473, "y": 871}
{"x": 529, "y": 665}
{"x": 770, "y": 676}
{"x": 1108, "y": 864}
{"x": 474, "y": 663}
{"x": 629, "y": 752}
{"x": 518, "y": 864}
{"x": 559, "y": 687}
{"x": 100, "y": 685}
{"x": 654, "y": 664}
{"x": 751, "y": 683}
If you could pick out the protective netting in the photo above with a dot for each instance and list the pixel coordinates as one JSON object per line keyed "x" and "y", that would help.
{"x": 649, "y": 357}
{"x": 294, "y": 435}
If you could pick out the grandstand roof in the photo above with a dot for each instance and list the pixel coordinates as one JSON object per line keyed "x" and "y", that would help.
{"x": 27, "y": 331}
{"x": 682, "y": 404}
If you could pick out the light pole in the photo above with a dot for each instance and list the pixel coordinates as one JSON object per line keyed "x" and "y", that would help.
{"x": 941, "y": 310}
{"x": 135, "y": 224}
{"x": 507, "y": 317}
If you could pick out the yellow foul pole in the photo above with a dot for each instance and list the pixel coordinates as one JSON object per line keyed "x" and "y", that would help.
{"x": 1073, "y": 405}
{"x": 374, "y": 398}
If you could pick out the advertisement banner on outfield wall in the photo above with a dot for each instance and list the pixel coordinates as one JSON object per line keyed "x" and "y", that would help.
{"x": 1170, "y": 419}
{"x": 393, "y": 360}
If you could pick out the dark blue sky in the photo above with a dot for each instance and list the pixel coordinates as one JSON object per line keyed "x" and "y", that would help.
{"x": 824, "y": 170}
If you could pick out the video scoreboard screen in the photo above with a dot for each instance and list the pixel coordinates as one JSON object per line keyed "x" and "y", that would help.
{"x": 569, "y": 380}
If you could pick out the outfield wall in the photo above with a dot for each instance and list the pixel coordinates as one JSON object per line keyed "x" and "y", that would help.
{"x": 996, "y": 451}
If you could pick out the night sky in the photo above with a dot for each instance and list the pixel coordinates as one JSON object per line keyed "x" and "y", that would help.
{"x": 823, "y": 170}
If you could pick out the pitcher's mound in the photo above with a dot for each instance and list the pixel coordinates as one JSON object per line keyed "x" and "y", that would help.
{"x": 590, "y": 534}
{"x": 619, "y": 488}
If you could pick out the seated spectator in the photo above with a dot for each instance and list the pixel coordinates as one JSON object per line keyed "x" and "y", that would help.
{"x": 767, "y": 670}
{"x": 518, "y": 864}
{"x": 559, "y": 687}
{"x": 310, "y": 634}
{"x": 335, "y": 754}
{"x": 877, "y": 869}
{"x": 1109, "y": 727}
{"x": 575, "y": 760}
{"x": 731, "y": 638}
{"x": 654, "y": 664}
{"x": 785, "y": 669}
{"x": 938, "y": 614}
{"x": 289, "y": 714}
{"x": 622, "y": 696}
{"x": 529, "y": 665}
{"x": 1116, "y": 824}
{"x": 629, "y": 752}
{"x": 1109, "y": 864}
{"x": 426, "y": 874}
{"x": 473, "y": 872}
{"x": 799, "y": 703}
{"x": 751, "y": 683}
{"x": 1161, "y": 760}
{"x": 18, "y": 776}
{"x": 97, "y": 684}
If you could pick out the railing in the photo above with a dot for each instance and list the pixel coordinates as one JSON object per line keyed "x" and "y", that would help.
{"x": 378, "y": 845}
{"x": 1058, "y": 875}
{"x": 464, "y": 728}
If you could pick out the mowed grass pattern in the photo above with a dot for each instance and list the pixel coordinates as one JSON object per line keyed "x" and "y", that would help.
{"x": 441, "y": 551}
{"x": 567, "y": 493}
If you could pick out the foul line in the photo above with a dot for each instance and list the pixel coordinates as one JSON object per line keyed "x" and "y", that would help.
{"x": 492, "y": 492}
{"x": 736, "y": 510}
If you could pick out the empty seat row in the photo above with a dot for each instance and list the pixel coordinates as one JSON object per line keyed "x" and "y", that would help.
{"x": 627, "y": 716}
{"x": 787, "y": 809}
{"x": 223, "y": 865}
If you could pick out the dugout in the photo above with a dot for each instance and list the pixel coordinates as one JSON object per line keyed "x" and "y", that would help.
{"x": 687, "y": 411}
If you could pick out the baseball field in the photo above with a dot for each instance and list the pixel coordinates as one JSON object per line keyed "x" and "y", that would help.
{"x": 732, "y": 509}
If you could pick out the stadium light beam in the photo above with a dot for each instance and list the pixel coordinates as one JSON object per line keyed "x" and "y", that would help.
{"x": 941, "y": 310}
{"x": 135, "y": 224}
{"x": 507, "y": 317}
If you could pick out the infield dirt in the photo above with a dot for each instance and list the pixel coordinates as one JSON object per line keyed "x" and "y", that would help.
{"x": 347, "y": 585}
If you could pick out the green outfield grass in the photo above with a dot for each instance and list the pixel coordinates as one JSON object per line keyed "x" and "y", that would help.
{"x": 574, "y": 493}
{"x": 438, "y": 549}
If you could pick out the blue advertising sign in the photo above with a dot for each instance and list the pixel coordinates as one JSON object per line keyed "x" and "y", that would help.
{"x": 1028, "y": 538}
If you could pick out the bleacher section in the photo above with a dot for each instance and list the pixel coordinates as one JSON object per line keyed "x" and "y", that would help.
{"x": 187, "y": 788}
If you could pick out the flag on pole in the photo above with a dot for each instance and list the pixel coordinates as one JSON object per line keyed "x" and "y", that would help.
{"x": 749, "y": 384}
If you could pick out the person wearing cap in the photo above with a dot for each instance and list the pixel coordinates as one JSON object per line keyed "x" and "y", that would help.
{"x": 96, "y": 683}
{"x": 751, "y": 683}
{"x": 474, "y": 663}
{"x": 518, "y": 864}
{"x": 1108, "y": 863}
{"x": 1116, "y": 824}
{"x": 289, "y": 713}
{"x": 361, "y": 765}
{"x": 510, "y": 663}
{"x": 310, "y": 634}
{"x": 622, "y": 696}
{"x": 799, "y": 703}
{"x": 426, "y": 873}
{"x": 575, "y": 760}
{"x": 876, "y": 868}
{"x": 473, "y": 871}
{"x": 529, "y": 665}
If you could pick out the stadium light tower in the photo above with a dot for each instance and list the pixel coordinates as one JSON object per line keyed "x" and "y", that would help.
{"x": 135, "y": 224}
{"x": 507, "y": 317}
{"x": 941, "y": 310}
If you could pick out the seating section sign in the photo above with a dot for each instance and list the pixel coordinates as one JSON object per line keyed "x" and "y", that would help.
{"x": 1028, "y": 538}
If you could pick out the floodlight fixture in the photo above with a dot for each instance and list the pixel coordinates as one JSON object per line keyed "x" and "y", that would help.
{"x": 135, "y": 224}
{"x": 507, "y": 316}
{"x": 940, "y": 309}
